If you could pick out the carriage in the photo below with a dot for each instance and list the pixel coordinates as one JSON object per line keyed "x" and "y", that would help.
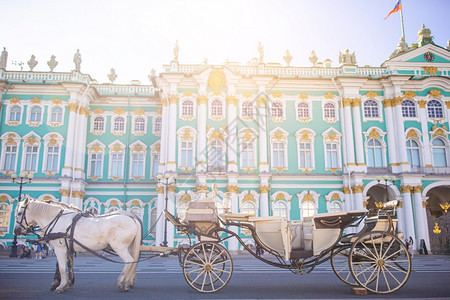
{"x": 374, "y": 258}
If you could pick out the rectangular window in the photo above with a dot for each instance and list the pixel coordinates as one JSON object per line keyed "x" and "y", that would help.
{"x": 278, "y": 155}
{"x": 137, "y": 165}
{"x": 247, "y": 155}
{"x": 52, "y": 158}
{"x": 96, "y": 164}
{"x": 155, "y": 164}
{"x": 31, "y": 158}
{"x": 116, "y": 164}
{"x": 305, "y": 155}
{"x": 332, "y": 156}
{"x": 10, "y": 158}
{"x": 186, "y": 154}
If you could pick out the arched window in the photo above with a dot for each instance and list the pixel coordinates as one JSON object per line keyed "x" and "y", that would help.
{"x": 307, "y": 209}
{"x": 439, "y": 153}
{"x": 137, "y": 164}
{"x": 408, "y": 109}
{"x": 371, "y": 109}
{"x": 35, "y": 114}
{"x": 280, "y": 209}
{"x": 335, "y": 206}
{"x": 112, "y": 208}
{"x": 99, "y": 124}
{"x": 435, "y": 109}
{"x": 329, "y": 110}
{"x": 216, "y": 108}
{"x": 277, "y": 110}
{"x": 96, "y": 162}
{"x": 56, "y": 114}
{"x": 139, "y": 124}
{"x": 158, "y": 125}
{"x": 119, "y": 124}
{"x": 375, "y": 150}
{"x": 247, "y": 109}
{"x": 188, "y": 108}
{"x": 413, "y": 153}
{"x": 116, "y": 164}
{"x": 14, "y": 113}
{"x": 4, "y": 217}
{"x": 248, "y": 207}
{"x": 216, "y": 154}
{"x": 303, "y": 110}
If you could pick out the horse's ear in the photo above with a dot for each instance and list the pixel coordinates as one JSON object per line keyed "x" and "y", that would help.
{"x": 26, "y": 200}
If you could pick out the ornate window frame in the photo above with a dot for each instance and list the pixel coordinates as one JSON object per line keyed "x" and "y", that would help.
{"x": 155, "y": 152}
{"x": 408, "y": 109}
{"x": 95, "y": 147}
{"x": 445, "y": 148}
{"x": 50, "y": 109}
{"x": 249, "y": 136}
{"x": 216, "y": 117}
{"x": 9, "y": 139}
{"x": 30, "y": 108}
{"x": 137, "y": 148}
{"x": 281, "y": 197}
{"x": 334, "y": 110}
{"x": 377, "y": 134}
{"x": 303, "y": 118}
{"x": 92, "y": 203}
{"x": 185, "y": 115}
{"x": 118, "y": 132}
{"x": 187, "y": 134}
{"x": 378, "y": 109}
{"x": 30, "y": 140}
{"x": 332, "y": 136}
{"x": 217, "y": 135}
{"x": 306, "y": 135}
{"x": 277, "y": 110}
{"x": 249, "y": 196}
{"x": 52, "y": 139}
{"x": 136, "y": 205}
{"x": 6, "y": 210}
{"x": 279, "y": 136}
{"x": 116, "y": 148}
{"x": 112, "y": 204}
{"x": 139, "y": 114}
{"x": 310, "y": 197}
{"x": 249, "y": 105}
{"x": 436, "y": 110}
{"x": 335, "y": 197}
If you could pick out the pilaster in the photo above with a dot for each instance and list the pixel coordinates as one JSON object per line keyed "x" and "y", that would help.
{"x": 232, "y": 134}
{"x": 171, "y": 143}
{"x": 201, "y": 127}
{"x": 357, "y": 129}
{"x": 262, "y": 121}
{"x": 392, "y": 148}
{"x": 400, "y": 136}
{"x": 408, "y": 212}
{"x": 425, "y": 135}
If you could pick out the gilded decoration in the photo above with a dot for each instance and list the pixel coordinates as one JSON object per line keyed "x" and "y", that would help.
{"x": 14, "y": 100}
{"x": 435, "y": 93}
{"x": 138, "y": 148}
{"x": 379, "y": 205}
{"x": 346, "y": 190}
{"x": 119, "y": 110}
{"x": 35, "y": 100}
{"x": 232, "y": 100}
{"x": 187, "y": 93}
{"x": 264, "y": 189}
{"x": 397, "y": 101}
{"x": 139, "y": 112}
{"x": 357, "y": 189}
{"x": 329, "y": 95}
{"x": 335, "y": 196}
{"x": 303, "y": 96}
{"x": 388, "y": 102}
{"x": 98, "y": 111}
{"x": 160, "y": 189}
{"x": 412, "y": 134}
{"x": 31, "y": 140}
{"x": 84, "y": 111}
{"x": 113, "y": 203}
{"x": 33, "y": 124}
{"x": 305, "y": 170}
{"x": 430, "y": 70}
{"x": 52, "y": 142}
{"x": 422, "y": 103}
{"x": 202, "y": 99}
{"x": 115, "y": 178}
{"x": 96, "y": 148}
{"x": 117, "y": 148}
{"x": 346, "y": 102}
{"x": 280, "y": 196}
{"x": 157, "y": 148}
{"x": 277, "y": 94}
{"x": 417, "y": 189}
{"x": 73, "y": 107}
{"x": 248, "y": 135}
{"x": 248, "y": 197}
{"x": 64, "y": 193}
{"x": 436, "y": 228}
{"x": 247, "y": 95}
{"x": 233, "y": 189}
{"x": 439, "y": 131}
{"x": 186, "y": 197}
{"x": 50, "y": 173}
{"x": 217, "y": 80}
{"x": 371, "y": 94}
{"x": 56, "y": 101}
{"x": 158, "y": 111}
{"x": 164, "y": 101}
{"x": 262, "y": 101}
{"x": 409, "y": 94}
{"x": 308, "y": 197}
{"x": 305, "y": 136}
{"x": 374, "y": 134}
{"x": 172, "y": 188}
{"x": 187, "y": 134}
{"x": 445, "y": 207}
{"x": 332, "y": 137}
{"x": 216, "y": 135}
{"x": 447, "y": 103}
{"x": 279, "y": 136}
{"x": 201, "y": 189}
{"x": 406, "y": 189}
{"x": 3, "y": 198}
{"x": 173, "y": 99}
{"x": 356, "y": 102}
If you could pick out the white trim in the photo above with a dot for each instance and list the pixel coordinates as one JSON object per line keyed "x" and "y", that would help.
{"x": 133, "y": 121}
{"x": 222, "y": 101}
{"x": 98, "y": 132}
{"x": 25, "y": 144}
{"x": 49, "y": 115}
{"x": 144, "y": 153}
{"x": 4, "y": 138}
{"x": 157, "y": 133}
{"x": 299, "y": 138}
{"x": 111, "y": 152}
{"x": 59, "y": 141}
{"x": 30, "y": 106}
{"x": 8, "y": 113}
{"x": 102, "y": 148}
{"x": 194, "y": 110}
{"x": 113, "y": 120}
{"x": 187, "y": 136}
{"x": 307, "y": 119}
{"x": 379, "y": 108}
{"x": 327, "y": 134}
{"x": 367, "y": 137}
{"x": 283, "y": 140}
{"x": 277, "y": 119}
{"x": 336, "y": 111}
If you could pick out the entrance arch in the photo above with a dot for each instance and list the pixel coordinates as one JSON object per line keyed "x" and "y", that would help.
{"x": 438, "y": 219}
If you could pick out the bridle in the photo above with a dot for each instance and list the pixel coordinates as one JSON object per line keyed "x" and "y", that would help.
{"x": 24, "y": 218}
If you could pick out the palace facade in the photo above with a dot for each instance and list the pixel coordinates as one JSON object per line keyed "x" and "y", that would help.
{"x": 276, "y": 140}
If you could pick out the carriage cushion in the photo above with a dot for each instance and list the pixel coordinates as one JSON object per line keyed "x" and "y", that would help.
{"x": 336, "y": 220}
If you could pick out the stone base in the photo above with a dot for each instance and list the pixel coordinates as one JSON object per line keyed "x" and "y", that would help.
{"x": 358, "y": 291}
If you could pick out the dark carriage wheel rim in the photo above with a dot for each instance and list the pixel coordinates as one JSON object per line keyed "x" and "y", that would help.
{"x": 380, "y": 262}
{"x": 207, "y": 267}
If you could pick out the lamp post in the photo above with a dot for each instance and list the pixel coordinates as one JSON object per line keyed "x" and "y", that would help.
{"x": 386, "y": 184}
{"x": 166, "y": 181}
{"x": 24, "y": 179}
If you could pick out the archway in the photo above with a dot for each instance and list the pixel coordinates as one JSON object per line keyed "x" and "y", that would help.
{"x": 378, "y": 195}
{"x": 438, "y": 217}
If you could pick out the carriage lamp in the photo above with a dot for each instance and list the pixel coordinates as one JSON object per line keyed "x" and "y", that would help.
{"x": 166, "y": 184}
{"x": 24, "y": 179}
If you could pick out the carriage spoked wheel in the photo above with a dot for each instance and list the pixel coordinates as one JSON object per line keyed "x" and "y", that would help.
{"x": 207, "y": 267}
{"x": 380, "y": 262}
{"x": 340, "y": 265}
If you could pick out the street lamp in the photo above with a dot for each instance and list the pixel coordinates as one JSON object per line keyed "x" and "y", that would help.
{"x": 166, "y": 181}
{"x": 24, "y": 179}
{"x": 386, "y": 184}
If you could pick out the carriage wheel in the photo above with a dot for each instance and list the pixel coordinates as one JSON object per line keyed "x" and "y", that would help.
{"x": 380, "y": 262}
{"x": 339, "y": 263}
{"x": 207, "y": 267}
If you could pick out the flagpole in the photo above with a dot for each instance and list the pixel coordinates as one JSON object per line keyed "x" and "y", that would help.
{"x": 403, "y": 26}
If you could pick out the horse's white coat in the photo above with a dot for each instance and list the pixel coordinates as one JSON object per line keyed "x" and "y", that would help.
{"x": 120, "y": 231}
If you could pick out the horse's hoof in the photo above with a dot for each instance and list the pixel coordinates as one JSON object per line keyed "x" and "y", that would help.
{"x": 53, "y": 287}
{"x": 59, "y": 290}
{"x": 123, "y": 288}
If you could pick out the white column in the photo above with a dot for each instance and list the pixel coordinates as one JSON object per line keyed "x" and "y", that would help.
{"x": 164, "y": 133}
{"x": 171, "y": 208}
{"x": 70, "y": 141}
{"x": 232, "y": 134}
{"x": 400, "y": 135}
{"x": 358, "y": 133}
{"x": 262, "y": 120}
{"x": 420, "y": 218}
{"x": 349, "y": 133}
{"x": 80, "y": 142}
{"x": 201, "y": 127}
{"x": 392, "y": 149}
{"x": 160, "y": 224}
{"x": 264, "y": 189}
{"x": 426, "y": 150}
{"x": 233, "y": 189}
{"x": 447, "y": 103}
{"x": 358, "y": 201}
{"x": 401, "y": 217}
{"x": 172, "y": 134}
{"x": 408, "y": 214}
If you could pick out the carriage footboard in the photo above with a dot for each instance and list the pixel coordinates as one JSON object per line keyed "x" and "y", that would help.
{"x": 162, "y": 250}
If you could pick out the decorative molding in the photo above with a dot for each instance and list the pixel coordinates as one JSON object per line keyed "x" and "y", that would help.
{"x": 14, "y": 100}
{"x": 356, "y": 102}
{"x": 172, "y": 188}
{"x": 264, "y": 189}
{"x": 35, "y": 100}
{"x": 435, "y": 93}
{"x": 409, "y": 94}
{"x": 202, "y": 99}
{"x": 73, "y": 107}
{"x": 277, "y": 94}
{"x": 371, "y": 94}
{"x": 232, "y": 189}
{"x": 388, "y": 102}
{"x": 422, "y": 103}
{"x": 397, "y": 101}
{"x": 430, "y": 70}
{"x": 98, "y": 111}
{"x": 201, "y": 189}
{"x": 232, "y": 100}
{"x": 262, "y": 101}
{"x": 329, "y": 95}
{"x": 303, "y": 96}
{"x": 187, "y": 93}
{"x": 357, "y": 189}
{"x": 173, "y": 99}
{"x": 346, "y": 102}
{"x": 139, "y": 112}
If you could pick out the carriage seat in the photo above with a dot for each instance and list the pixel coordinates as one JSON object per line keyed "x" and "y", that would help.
{"x": 237, "y": 217}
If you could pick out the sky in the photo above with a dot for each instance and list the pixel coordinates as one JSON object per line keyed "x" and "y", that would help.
{"x": 135, "y": 37}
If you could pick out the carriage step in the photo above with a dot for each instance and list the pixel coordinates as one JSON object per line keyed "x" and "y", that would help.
{"x": 358, "y": 291}
{"x": 297, "y": 254}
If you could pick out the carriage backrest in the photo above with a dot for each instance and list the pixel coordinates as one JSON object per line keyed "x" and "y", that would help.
{"x": 203, "y": 210}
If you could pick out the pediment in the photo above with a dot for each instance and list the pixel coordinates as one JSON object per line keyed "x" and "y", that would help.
{"x": 417, "y": 56}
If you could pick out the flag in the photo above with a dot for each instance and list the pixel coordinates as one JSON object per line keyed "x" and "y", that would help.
{"x": 397, "y": 7}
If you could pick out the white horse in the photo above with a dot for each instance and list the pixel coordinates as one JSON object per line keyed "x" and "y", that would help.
{"x": 120, "y": 231}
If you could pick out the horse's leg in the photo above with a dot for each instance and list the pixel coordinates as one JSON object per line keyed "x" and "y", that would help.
{"x": 123, "y": 253}
{"x": 56, "y": 278}
{"x": 61, "y": 255}
{"x": 135, "y": 251}
{"x": 70, "y": 268}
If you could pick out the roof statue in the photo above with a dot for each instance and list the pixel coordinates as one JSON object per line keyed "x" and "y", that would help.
{"x": 347, "y": 58}
{"x": 448, "y": 45}
{"x": 77, "y": 60}
{"x": 3, "y": 58}
{"x": 261, "y": 53}
{"x": 112, "y": 75}
{"x": 52, "y": 63}
{"x": 425, "y": 37}
{"x": 176, "y": 50}
{"x": 287, "y": 58}
{"x": 32, "y": 62}
{"x": 313, "y": 58}
{"x": 402, "y": 47}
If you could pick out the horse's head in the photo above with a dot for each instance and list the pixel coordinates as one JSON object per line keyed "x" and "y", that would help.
{"x": 22, "y": 225}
